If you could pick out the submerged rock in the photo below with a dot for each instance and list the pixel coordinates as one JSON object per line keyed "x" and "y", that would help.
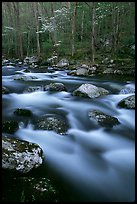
{"x": 128, "y": 102}
{"x": 53, "y": 122}
{"x": 5, "y": 90}
{"x": 127, "y": 90}
{"x": 21, "y": 156}
{"x": 33, "y": 89}
{"x": 55, "y": 87}
{"x": 24, "y": 78}
{"x": 10, "y": 126}
{"x": 90, "y": 91}
{"x": 23, "y": 112}
{"x": 103, "y": 119}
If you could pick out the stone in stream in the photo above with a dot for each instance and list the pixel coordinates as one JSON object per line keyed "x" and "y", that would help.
{"x": 20, "y": 156}
{"x": 127, "y": 90}
{"x": 90, "y": 91}
{"x": 10, "y": 126}
{"x": 33, "y": 89}
{"x": 103, "y": 119}
{"x": 24, "y": 78}
{"x": 55, "y": 87}
{"x": 56, "y": 123}
{"x": 23, "y": 112}
{"x": 30, "y": 189}
{"x": 5, "y": 90}
{"x": 128, "y": 102}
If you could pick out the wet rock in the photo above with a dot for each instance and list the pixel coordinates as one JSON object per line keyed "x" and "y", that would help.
{"x": 5, "y": 90}
{"x": 10, "y": 126}
{"x": 33, "y": 89}
{"x": 55, "y": 87}
{"x": 41, "y": 190}
{"x": 56, "y": 123}
{"x": 127, "y": 90}
{"x": 103, "y": 119}
{"x": 82, "y": 71}
{"x": 90, "y": 91}
{"x": 73, "y": 73}
{"x": 30, "y": 189}
{"x": 108, "y": 71}
{"x": 23, "y": 112}
{"x": 20, "y": 156}
{"x": 26, "y": 70}
{"x": 63, "y": 63}
{"x": 24, "y": 78}
{"x": 128, "y": 102}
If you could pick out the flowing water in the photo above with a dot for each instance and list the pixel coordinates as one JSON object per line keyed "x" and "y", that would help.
{"x": 90, "y": 162}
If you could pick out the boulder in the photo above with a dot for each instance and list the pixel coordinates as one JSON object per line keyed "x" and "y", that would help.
{"x": 30, "y": 189}
{"x": 24, "y": 78}
{"x": 10, "y": 126}
{"x": 63, "y": 63}
{"x": 23, "y": 112}
{"x": 103, "y": 119}
{"x": 128, "y": 102}
{"x": 5, "y": 90}
{"x": 82, "y": 71}
{"x": 53, "y": 122}
{"x": 33, "y": 89}
{"x": 127, "y": 90}
{"x": 90, "y": 91}
{"x": 55, "y": 87}
{"x": 20, "y": 156}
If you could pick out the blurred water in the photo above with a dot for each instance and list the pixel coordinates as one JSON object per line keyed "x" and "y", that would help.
{"x": 98, "y": 162}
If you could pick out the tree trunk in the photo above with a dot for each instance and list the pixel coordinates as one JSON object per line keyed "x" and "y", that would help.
{"x": 93, "y": 33}
{"x": 18, "y": 37}
{"x": 35, "y": 9}
{"x": 82, "y": 25}
{"x": 74, "y": 29}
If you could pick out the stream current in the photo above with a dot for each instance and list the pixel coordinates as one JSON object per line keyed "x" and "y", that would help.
{"x": 90, "y": 163}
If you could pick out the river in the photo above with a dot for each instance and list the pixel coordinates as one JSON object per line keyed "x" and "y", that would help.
{"x": 90, "y": 163}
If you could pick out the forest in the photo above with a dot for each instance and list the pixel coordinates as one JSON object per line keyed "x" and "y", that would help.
{"x": 68, "y": 101}
{"x": 73, "y": 29}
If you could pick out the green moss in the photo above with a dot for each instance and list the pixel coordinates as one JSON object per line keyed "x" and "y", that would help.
{"x": 23, "y": 112}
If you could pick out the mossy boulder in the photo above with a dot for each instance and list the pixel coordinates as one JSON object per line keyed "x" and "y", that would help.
{"x": 55, "y": 87}
{"x": 10, "y": 126}
{"x": 53, "y": 122}
{"x": 103, "y": 119}
{"x": 90, "y": 91}
{"x": 30, "y": 189}
{"x": 128, "y": 102}
{"x": 33, "y": 89}
{"x": 23, "y": 112}
{"x": 20, "y": 156}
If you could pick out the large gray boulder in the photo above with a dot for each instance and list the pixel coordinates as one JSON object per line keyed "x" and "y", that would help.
{"x": 20, "y": 156}
{"x": 90, "y": 91}
{"x": 128, "y": 102}
{"x": 103, "y": 119}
